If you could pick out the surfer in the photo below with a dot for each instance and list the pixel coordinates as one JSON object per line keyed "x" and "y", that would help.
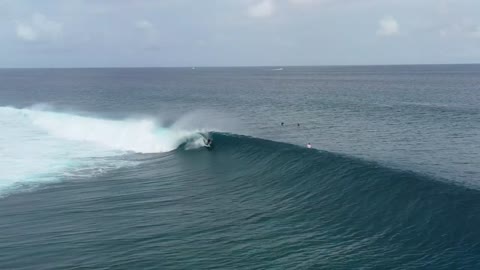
{"x": 208, "y": 142}
{"x": 309, "y": 145}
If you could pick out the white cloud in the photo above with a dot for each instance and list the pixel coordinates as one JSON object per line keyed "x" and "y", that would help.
{"x": 443, "y": 7}
{"x": 144, "y": 24}
{"x": 201, "y": 43}
{"x": 463, "y": 28}
{"x": 475, "y": 33}
{"x": 26, "y": 32}
{"x": 388, "y": 26}
{"x": 147, "y": 28}
{"x": 309, "y": 3}
{"x": 39, "y": 27}
{"x": 262, "y": 8}
{"x": 301, "y": 2}
{"x": 150, "y": 33}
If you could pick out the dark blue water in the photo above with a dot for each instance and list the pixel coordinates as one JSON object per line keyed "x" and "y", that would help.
{"x": 105, "y": 169}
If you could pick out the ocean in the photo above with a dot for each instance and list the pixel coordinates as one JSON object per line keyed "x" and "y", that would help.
{"x": 105, "y": 168}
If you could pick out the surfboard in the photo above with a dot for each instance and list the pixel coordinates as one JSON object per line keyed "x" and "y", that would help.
{"x": 208, "y": 146}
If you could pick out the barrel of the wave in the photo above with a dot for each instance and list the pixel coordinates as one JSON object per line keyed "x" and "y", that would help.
{"x": 208, "y": 144}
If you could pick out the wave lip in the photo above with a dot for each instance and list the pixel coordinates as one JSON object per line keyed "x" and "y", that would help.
{"x": 141, "y": 136}
{"x": 41, "y": 146}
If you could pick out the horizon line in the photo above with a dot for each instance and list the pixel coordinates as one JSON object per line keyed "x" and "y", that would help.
{"x": 243, "y": 66}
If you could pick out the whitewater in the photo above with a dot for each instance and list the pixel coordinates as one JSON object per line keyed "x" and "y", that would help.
{"x": 40, "y": 145}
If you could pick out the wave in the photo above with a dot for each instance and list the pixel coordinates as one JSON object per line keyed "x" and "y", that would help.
{"x": 283, "y": 159}
{"x": 269, "y": 185}
{"x": 346, "y": 205}
{"x": 39, "y": 145}
{"x": 298, "y": 204}
{"x": 359, "y": 190}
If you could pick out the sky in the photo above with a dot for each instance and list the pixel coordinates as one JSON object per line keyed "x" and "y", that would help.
{"x": 171, "y": 33}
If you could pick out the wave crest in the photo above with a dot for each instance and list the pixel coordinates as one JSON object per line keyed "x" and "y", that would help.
{"x": 42, "y": 145}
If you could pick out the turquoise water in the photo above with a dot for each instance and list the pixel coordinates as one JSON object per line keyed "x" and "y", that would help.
{"x": 104, "y": 169}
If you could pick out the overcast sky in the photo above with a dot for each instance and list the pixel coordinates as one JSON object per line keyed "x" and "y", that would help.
{"x": 117, "y": 33}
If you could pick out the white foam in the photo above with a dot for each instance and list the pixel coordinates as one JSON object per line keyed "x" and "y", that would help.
{"x": 39, "y": 146}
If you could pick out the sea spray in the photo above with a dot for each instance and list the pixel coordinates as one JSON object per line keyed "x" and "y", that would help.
{"x": 40, "y": 145}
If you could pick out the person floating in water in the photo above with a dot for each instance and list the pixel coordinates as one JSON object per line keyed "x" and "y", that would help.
{"x": 298, "y": 124}
{"x": 282, "y": 124}
{"x": 309, "y": 145}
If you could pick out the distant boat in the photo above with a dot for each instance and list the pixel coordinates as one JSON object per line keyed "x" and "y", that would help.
{"x": 277, "y": 69}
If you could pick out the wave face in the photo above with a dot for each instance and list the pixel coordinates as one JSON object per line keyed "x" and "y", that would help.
{"x": 248, "y": 204}
{"x": 39, "y": 146}
{"x": 294, "y": 207}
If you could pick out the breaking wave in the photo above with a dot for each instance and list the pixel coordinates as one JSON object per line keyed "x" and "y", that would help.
{"x": 38, "y": 145}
